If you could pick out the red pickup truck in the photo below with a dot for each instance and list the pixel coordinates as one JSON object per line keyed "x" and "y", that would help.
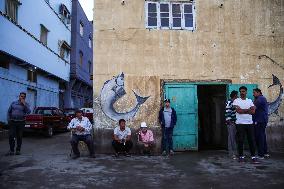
{"x": 46, "y": 120}
{"x": 87, "y": 112}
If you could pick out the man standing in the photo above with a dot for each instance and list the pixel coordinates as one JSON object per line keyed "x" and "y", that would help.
{"x": 244, "y": 124}
{"x": 145, "y": 139}
{"x": 16, "y": 120}
{"x": 81, "y": 129}
{"x": 260, "y": 119}
{"x": 122, "y": 139}
{"x": 167, "y": 119}
{"x": 231, "y": 124}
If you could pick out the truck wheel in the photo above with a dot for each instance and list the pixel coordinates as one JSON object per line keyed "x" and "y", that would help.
{"x": 49, "y": 132}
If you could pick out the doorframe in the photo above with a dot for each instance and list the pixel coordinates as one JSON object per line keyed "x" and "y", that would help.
{"x": 163, "y": 82}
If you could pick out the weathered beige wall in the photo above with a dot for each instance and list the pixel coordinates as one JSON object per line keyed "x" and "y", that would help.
{"x": 225, "y": 45}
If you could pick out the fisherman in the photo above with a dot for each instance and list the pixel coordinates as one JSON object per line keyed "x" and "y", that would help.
{"x": 145, "y": 140}
{"x": 81, "y": 128}
{"x": 244, "y": 124}
{"x": 168, "y": 120}
{"x": 231, "y": 124}
{"x": 122, "y": 139}
{"x": 260, "y": 119}
{"x": 16, "y": 121}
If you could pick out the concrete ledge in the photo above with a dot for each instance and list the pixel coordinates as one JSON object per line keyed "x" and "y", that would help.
{"x": 103, "y": 140}
{"x": 275, "y": 138}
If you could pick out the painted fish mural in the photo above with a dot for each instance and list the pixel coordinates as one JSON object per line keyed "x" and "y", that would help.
{"x": 273, "y": 106}
{"x": 112, "y": 91}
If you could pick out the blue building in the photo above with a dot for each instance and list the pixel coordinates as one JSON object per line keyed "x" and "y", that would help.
{"x": 80, "y": 91}
{"x": 35, "y": 46}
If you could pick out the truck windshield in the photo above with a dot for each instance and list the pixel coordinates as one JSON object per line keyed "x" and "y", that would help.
{"x": 69, "y": 112}
{"x": 43, "y": 112}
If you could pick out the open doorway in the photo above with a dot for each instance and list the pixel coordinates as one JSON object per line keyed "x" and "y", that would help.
{"x": 212, "y": 130}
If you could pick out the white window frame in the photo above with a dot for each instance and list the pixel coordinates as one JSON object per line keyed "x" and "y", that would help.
{"x": 193, "y": 17}
{"x": 172, "y": 18}
{"x": 146, "y": 15}
{"x": 182, "y": 4}
{"x": 159, "y": 13}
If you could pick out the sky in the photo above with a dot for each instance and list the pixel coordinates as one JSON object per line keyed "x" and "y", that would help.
{"x": 88, "y": 6}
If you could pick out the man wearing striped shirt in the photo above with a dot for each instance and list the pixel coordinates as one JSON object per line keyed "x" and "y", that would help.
{"x": 231, "y": 124}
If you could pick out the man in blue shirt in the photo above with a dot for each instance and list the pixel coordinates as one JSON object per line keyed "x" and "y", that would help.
{"x": 260, "y": 119}
{"x": 168, "y": 120}
{"x": 16, "y": 119}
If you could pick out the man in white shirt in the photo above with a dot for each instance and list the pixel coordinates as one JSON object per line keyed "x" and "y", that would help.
{"x": 244, "y": 124}
{"x": 81, "y": 129}
{"x": 122, "y": 139}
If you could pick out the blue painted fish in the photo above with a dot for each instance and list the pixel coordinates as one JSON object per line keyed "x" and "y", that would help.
{"x": 273, "y": 106}
{"x": 112, "y": 91}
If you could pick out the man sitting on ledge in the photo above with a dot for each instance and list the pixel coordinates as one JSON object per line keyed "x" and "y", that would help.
{"x": 145, "y": 140}
{"x": 122, "y": 139}
{"x": 81, "y": 131}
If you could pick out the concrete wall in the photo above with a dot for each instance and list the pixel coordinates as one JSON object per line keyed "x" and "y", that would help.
{"x": 20, "y": 41}
{"x": 14, "y": 80}
{"x": 14, "y": 41}
{"x": 226, "y": 44}
{"x": 81, "y": 43}
{"x": 80, "y": 89}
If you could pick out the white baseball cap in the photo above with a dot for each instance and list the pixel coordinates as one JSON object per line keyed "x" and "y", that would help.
{"x": 143, "y": 125}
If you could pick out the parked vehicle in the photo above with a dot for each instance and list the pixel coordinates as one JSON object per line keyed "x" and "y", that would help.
{"x": 69, "y": 113}
{"x": 89, "y": 113}
{"x": 46, "y": 120}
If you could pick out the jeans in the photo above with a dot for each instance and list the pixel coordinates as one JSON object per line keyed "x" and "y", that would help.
{"x": 16, "y": 129}
{"x": 232, "y": 146}
{"x": 85, "y": 138}
{"x": 260, "y": 137}
{"x": 242, "y": 130}
{"x": 167, "y": 139}
{"x": 122, "y": 147}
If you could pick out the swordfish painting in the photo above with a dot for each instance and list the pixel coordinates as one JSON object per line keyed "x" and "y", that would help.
{"x": 273, "y": 106}
{"x": 112, "y": 91}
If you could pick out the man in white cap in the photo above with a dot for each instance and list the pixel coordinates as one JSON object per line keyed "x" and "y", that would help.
{"x": 145, "y": 139}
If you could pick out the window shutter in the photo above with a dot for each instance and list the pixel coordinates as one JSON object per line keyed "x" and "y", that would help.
{"x": 151, "y": 14}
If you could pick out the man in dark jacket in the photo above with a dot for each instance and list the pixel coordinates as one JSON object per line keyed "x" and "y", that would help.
{"x": 167, "y": 119}
{"x": 16, "y": 119}
{"x": 260, "y": 120}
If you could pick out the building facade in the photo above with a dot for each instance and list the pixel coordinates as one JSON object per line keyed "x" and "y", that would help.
{"x": 79, "y": 92}
{"x": 35, "y": 44}
{"x": 193, "y": 52}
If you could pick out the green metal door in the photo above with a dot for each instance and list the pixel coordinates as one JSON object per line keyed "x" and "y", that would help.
{"x": 184, "y": 100}
{"x": 236, "y": 87}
